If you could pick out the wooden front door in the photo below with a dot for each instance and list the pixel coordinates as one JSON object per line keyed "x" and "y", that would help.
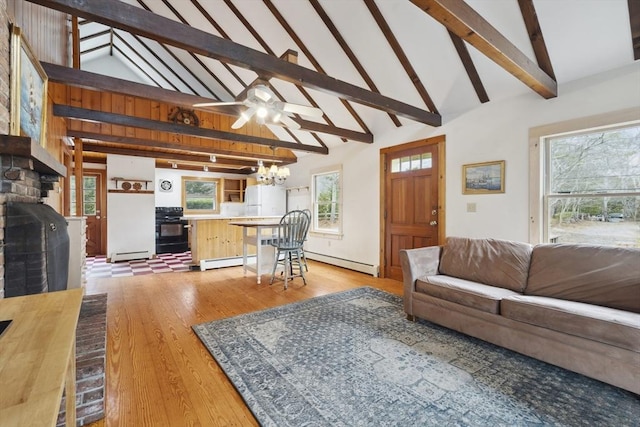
{"x": 411, "y": 204}
{"x": 93, "y": 203}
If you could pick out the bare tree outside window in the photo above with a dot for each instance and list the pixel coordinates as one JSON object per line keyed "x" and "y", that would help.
{"x": 327, "y": 202}
{"x": 593, "y": 187}
{"x": 200, "y": 195}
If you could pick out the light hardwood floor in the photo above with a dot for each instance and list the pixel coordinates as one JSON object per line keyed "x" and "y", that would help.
{"x": 158, "y": 372}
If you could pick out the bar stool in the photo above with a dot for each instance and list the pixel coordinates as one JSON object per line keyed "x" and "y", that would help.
{"x": 288, "y": 242}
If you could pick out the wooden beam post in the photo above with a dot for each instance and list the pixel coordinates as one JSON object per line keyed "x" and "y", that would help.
{"x": 466, "y": 23}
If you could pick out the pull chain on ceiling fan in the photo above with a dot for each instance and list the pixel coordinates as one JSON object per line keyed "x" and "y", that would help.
{"x": 262, "y": 102}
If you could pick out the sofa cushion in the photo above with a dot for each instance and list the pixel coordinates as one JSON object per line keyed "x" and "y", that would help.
{"x": 607, "y": 325}
{"x": 601, "y": 275}
{"x": 471, "y": 294}
{"x": 490, "y": 261}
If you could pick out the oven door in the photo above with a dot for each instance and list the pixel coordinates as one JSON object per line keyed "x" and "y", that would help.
{"x": 172, "y": 236}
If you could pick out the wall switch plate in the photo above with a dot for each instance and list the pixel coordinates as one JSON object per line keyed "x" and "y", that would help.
{"x": 471, "y": 207}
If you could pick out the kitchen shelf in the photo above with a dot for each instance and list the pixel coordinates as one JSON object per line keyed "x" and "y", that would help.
{"x": 233, "y": 189}
{"x": 131, "y": 185}
{"x": 130, "y": 191}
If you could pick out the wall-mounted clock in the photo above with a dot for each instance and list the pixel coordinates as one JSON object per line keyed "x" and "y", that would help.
{"x": 165, "y": 185}
{"x": 184, "y": 116}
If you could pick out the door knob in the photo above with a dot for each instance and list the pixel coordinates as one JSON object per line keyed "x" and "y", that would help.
{"x": 433, "y": 223}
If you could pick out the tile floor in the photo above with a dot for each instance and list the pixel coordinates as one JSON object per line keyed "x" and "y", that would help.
{"x": 164, "y": 263}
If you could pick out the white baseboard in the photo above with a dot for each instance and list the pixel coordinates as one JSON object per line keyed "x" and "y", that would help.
{"x": 126, "y": 256}
{"x": 344, "y": 263}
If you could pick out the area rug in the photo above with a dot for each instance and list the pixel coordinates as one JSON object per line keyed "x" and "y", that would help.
{"x": 91, "y": 334}
{"x": 352, "y": 359}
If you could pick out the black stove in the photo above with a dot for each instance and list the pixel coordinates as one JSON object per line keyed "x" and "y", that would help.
{"x": 172, "y": 233}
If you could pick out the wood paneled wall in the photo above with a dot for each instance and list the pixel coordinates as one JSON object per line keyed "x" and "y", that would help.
{"x": 45, "y": 30}
{"x": 148, "y": 109}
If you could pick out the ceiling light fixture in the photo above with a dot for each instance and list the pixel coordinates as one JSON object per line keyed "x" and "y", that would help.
{"x": 272, "y": 176}
{"x": 212, "y": 158}
{"x": 205, "y": 168}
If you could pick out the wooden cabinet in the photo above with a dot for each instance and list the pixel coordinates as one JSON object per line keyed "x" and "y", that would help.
{"x": 216, "y": 243}
{"x": 77, "y": 229}
{"x": 233, "y": 189}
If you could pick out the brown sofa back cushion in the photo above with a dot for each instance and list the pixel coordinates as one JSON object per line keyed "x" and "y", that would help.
{"x": 494, "y": 262}
{"x": 601, "y": 275}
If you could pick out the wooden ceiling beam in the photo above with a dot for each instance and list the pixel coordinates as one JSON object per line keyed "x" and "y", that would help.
{"x": 84, "y": 114}
{"x": 206, "y": 151}
{"x": 459, "y": 18}
{"x": 164, "y": 30}
{"x": 530, "y": 17}
{"x": 98, "y": 148}
{"x": 634, "y": 23}
{"x": 469, "y": 67}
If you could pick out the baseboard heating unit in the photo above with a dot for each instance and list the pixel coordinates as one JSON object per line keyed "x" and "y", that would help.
{"x": 127, "y": 256}
{"x": 207, "y": 264}
{"x": 344, "y": 263}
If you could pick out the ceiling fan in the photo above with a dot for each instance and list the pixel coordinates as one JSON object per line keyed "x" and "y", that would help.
{"x": 262, "y": 102}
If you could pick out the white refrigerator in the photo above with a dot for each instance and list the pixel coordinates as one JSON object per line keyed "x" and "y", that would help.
{"x": 265, "y": 200}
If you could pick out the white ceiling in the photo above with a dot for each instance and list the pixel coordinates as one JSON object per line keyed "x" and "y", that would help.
{"x": 583, "y": 37}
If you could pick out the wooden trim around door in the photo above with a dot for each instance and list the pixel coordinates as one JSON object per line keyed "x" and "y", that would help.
{"x": 436, "y": 140}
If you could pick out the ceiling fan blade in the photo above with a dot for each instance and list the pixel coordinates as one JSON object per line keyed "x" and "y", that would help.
{"x": 217, "y": 104}
{"x": 288, "y": 122}
{"x": 244, "y": 118}
{"x": 301, "y": 109}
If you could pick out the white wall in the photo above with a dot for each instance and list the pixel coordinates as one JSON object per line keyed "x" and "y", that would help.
{"x": 493, "y": 131}
{"x": 113, "y": 67}
{"x": 131, "y": 216}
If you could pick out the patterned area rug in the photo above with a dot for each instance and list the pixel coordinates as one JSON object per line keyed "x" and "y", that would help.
{"x": 352, "y": 359}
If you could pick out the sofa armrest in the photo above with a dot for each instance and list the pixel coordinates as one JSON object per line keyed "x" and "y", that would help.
{"x": 417, "y": 263}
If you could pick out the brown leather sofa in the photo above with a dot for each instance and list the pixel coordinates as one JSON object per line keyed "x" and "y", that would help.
{"x": 574, "y": 306}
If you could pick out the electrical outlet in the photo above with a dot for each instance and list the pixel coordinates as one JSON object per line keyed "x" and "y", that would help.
{"x": 471, "y": 207}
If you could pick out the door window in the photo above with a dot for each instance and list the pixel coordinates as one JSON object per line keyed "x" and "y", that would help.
{"x": 88, "y": 195}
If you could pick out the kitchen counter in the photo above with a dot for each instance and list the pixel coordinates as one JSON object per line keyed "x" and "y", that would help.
{"x": 232, "y": 217}
{"x": 216, "y": 243}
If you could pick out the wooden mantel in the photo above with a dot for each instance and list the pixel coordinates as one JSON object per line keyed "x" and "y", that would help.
{"x": 23, "y": 146}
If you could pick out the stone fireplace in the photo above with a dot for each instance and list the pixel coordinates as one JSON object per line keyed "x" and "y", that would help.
{"x": 27, "y": 173}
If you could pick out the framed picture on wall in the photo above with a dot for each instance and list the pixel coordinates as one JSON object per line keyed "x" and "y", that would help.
{"x": 483, "y": 178}
{"x": 28, "y": 90}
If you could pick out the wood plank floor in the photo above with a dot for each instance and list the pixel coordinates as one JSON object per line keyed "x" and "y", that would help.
{"x": 158, "y": 372}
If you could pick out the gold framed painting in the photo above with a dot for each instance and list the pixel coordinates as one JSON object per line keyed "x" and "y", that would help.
{"x": 28, "y": 90}
{"x": 483, "y": 178}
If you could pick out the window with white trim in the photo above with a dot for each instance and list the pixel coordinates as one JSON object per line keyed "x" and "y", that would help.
{"x": 591, "y": 186}
{"x": 326, "y": 193}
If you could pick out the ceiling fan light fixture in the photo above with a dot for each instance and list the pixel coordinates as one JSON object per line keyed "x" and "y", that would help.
{"x": 276, "y": 117}
{"x": 262, "y": 112}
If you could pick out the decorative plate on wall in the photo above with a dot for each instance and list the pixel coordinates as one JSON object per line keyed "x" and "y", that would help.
{"x": 165, "y": 185}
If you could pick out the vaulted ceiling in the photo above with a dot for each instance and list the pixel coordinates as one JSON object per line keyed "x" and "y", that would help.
{"x": 370, "y": 65}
